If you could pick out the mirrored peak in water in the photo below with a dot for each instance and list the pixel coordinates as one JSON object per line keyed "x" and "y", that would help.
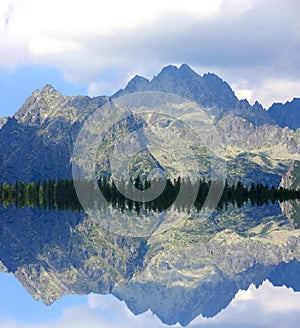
{"x": 185, "y": 268}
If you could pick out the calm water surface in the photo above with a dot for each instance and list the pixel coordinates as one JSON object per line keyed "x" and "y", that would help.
{"x": 234, "y": 268}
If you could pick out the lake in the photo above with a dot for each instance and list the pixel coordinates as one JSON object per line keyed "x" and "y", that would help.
{"x": 227, "y": 268}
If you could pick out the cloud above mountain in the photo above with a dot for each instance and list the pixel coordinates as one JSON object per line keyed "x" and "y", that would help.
{"x": 253, "y": 44}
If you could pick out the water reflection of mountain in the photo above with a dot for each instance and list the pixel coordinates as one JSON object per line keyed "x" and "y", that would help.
{"x": 186, "y": 267}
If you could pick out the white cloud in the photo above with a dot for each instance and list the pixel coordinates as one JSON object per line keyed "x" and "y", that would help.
{"x": 45, "y": 46}
{"x": 278, "y": 90}
{"x": 84, "y": 39}
{"x": 99, "y": 88}
{"x": 237, "y": 8}
{"x": 67, "y": 19}
{"x": 4, "y": 10}
{"x": 268, "y": 91}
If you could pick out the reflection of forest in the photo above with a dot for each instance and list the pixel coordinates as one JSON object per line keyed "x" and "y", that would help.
{"x": 187, "y": 265}
{"x": 61, "y": 194}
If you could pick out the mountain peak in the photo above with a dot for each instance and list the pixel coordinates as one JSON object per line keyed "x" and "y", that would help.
{"x": 185, "y": 67}
{"x": 215, "y": 79}
{"x": 169, "y": 69}
{"x": 138, "y": 83}
{"x": 48, "y": 89}
{"x": 40, "y": 105}
{"x": 287, "y": 114}
{"x": 209, "y": 91}
{"x": 258, "y": 106}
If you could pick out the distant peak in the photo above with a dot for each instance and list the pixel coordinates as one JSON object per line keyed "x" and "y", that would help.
{"x": 139, "y": 78}
{"x": 211, "y": 76}
{"x": 170, "y": 69}
{"x": 257, "y": 105}
{"x": 183, "y": 72}
{"x": 185, "y": 67}
{"x": 48, "y": 87}
{"x": 137, "y": 83}
{"x": 296, "y": 100}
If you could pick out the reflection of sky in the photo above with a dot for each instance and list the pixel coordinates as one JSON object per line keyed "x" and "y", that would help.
{"x": 267, "y": 306}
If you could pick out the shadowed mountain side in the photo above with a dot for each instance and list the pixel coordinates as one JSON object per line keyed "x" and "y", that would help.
{"x": 29, "y": 153}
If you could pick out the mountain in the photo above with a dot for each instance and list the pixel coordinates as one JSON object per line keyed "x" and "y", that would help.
{"x": 38, "y": 141}
{"x": 209, "y": 91}
{"x": 286, "y": 115}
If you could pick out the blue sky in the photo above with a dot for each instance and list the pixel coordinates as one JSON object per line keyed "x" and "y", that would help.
{"x": 94, "y": 47}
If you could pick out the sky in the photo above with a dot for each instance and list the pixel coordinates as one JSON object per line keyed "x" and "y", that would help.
{"x": 94, "y": 47}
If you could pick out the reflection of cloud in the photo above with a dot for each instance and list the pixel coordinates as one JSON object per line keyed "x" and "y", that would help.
{"x": 99, "y": 312}
{"x": 267, "y": 306}
{"x": 264, "y": 307}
